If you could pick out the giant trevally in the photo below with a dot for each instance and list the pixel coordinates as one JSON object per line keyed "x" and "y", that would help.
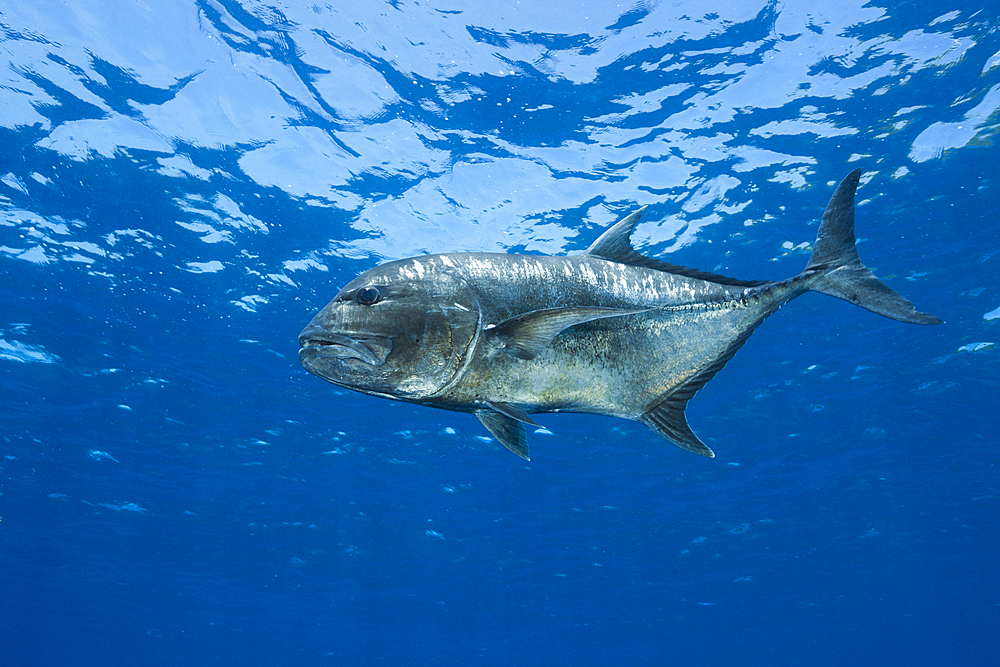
{"x": 609, "y": 331}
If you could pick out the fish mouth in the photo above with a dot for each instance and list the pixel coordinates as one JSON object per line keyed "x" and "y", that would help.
{"x": 316, "y": 342}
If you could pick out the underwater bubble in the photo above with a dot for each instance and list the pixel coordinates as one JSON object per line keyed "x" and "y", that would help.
{"x": 978, "y": 347}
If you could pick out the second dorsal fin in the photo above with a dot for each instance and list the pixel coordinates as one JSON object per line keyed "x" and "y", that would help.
{"x": 615, "y": 245}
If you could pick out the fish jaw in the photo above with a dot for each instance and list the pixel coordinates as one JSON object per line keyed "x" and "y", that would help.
{"x": 318, "y": 343}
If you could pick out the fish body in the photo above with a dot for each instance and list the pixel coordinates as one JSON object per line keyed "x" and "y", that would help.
{"x": 609, "y": 331}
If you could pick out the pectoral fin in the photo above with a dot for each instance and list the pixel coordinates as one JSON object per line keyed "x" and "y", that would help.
{"x": 525, "y": 336}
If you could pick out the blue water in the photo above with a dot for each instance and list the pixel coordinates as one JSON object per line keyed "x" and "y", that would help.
{"x": 183, "y": 184}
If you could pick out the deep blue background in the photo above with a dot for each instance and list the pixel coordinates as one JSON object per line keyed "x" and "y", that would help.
{"x": 183, "y": 184}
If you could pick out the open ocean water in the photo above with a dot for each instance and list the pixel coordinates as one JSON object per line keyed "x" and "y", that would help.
{"x": 183, "y": 184}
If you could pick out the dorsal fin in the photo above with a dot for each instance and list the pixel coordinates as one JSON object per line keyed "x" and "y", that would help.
{"x": 615, "y": 245}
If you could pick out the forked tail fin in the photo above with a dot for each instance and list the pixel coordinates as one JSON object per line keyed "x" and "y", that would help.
{"x": 836, "y": 267}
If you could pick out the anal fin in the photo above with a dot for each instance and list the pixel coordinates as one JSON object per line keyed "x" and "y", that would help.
{"x": 667, "y": 420}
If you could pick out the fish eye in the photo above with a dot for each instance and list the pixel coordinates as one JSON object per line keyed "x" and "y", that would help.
{"x": 367, "y": 296}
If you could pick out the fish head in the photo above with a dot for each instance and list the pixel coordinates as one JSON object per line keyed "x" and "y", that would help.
{"x": 401, "y": 330}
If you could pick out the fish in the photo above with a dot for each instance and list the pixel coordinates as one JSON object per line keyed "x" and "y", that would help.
{"x": 609, "y": 331}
